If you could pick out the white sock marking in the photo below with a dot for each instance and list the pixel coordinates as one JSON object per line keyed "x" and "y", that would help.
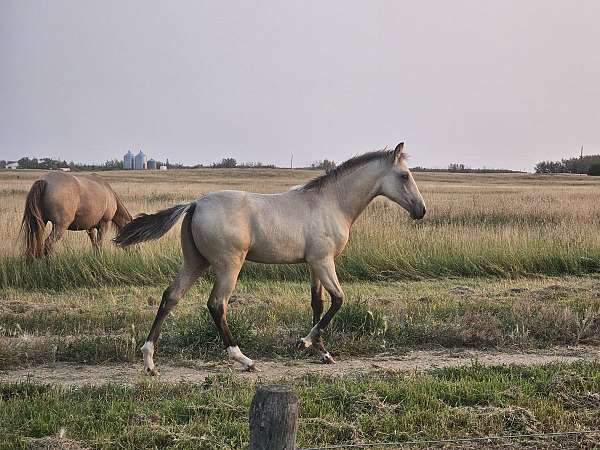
{"x": 148, "y": 352}
{"x": 308, "y": 340}
{"x": 236, "y": 354}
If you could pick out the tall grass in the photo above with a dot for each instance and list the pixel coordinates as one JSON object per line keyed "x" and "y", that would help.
{"x": 477, "y": 225}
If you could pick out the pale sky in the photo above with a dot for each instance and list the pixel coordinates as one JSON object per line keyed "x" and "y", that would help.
{"x": 487, "y": 83}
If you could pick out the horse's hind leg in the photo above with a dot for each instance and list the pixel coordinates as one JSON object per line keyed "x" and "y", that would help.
{"x": 58, "y": 230}
{"x": 225, "y": 280}
{"x": 194, "y": 265}
{"x": 186, "y": 276}
{"x": 325, "y": 271}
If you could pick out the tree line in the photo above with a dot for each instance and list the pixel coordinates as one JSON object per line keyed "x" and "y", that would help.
{"x": 589, "y": 164}
{"x": 55, "y": 164}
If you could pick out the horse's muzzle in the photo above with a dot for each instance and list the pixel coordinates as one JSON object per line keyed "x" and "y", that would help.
{"x": 417, "y": 212}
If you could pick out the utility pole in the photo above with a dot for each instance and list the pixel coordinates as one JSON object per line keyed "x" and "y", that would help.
{"x": 292, "y": 161}
{"x": 581, "y": 157}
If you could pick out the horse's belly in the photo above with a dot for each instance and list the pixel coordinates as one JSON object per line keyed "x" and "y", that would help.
{"x": 85, "y": 222}
{"x": 282, "y": 252}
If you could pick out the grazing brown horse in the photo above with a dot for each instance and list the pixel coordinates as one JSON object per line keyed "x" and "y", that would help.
{"x": 309, "y": 224}
{"x": 83, "y": 202}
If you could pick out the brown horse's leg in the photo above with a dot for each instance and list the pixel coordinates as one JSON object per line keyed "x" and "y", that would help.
{"x": 225, "y": 280}
{"x": 58, "y": 230}
{"x": 102, "y": 230}
{"x": 325, "y": 271}
{"x": 92, "y": 233}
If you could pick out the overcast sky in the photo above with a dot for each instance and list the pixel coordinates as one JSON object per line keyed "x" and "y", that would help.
{"x": 486, "y": 83}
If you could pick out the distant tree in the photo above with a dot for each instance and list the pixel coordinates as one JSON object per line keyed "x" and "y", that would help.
{"x": 456, "y": 167}
{"x": 2, "y": 164}
{"x": 325, "y": 165}
{"x": 580, "y": 165}
{"x": 255, "y": 165}
{"x": 548, "y": 167}
{"x": 113, "y": 164}
{"x": 594, "y": 169}
{"x": 226, "y": 163}
{"x": 27, "y": 163}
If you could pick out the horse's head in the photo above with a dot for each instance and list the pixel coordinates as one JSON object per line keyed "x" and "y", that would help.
{"x": 399, "y": 185}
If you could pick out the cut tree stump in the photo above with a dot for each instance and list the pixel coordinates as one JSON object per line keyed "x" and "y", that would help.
{"x": 273, "y": 418}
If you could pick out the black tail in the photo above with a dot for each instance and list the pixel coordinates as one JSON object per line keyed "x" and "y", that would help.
{"x": 33, "y": 224}
{"x": 147, "y": 227}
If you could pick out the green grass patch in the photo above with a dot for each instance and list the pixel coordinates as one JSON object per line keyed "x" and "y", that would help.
{"x": 430, "y": 251}
{"x": 110, "y": 324}
{"x": 444, "y": 403}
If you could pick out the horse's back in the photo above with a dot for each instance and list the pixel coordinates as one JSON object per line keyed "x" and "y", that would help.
{"x": 79, "y": 202}
{"x": 268, "y": 228}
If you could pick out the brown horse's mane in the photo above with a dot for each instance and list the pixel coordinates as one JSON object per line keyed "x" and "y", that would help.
{"x": 318, "y": 183}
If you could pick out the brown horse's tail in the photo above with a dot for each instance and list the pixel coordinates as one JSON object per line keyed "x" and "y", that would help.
{"x": 122, "y": 216}
{"x": 146, "y": 227}
{"x": 33, "y": 224}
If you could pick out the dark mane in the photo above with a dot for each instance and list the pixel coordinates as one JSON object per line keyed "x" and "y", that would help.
{"x": 346, "y": 167}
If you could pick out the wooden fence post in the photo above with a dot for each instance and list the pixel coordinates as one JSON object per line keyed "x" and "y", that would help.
{"x": 273, "y": 419}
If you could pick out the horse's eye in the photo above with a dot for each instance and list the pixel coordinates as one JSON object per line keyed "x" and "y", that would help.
{"x": 404, "y": 176}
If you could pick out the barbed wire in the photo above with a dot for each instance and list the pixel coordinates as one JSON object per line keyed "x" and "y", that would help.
{"x": 456, "y": 440}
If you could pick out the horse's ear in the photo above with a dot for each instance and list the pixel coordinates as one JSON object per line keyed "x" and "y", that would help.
{"x": 398, "y": 151}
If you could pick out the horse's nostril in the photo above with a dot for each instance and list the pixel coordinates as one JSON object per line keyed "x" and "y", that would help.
{"x": 424, "y": 210}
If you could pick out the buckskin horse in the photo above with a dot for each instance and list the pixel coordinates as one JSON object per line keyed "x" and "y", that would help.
{"x": 310, "y": 224}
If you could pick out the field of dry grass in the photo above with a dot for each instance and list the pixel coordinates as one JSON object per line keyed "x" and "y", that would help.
{"x": 503, "y": 225}
{"x": 503, "y": 262}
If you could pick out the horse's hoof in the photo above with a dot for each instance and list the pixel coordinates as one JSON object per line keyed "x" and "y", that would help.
{"x": 152, "y": 372}
{"x": 327, "y": 359}
{"x": 251, "y": 368}
{"x": 303, "y": 344}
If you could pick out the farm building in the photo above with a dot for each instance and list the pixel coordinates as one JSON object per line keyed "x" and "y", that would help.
{"x": 12, "y": 165}
{"x": 128, "y": 160}
{"x": 139, "y": 162}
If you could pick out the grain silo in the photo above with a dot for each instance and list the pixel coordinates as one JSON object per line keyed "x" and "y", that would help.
{"x": 152, "y": 164}
{"x": 128, "y": 160}
{"x": 140, "y": 161}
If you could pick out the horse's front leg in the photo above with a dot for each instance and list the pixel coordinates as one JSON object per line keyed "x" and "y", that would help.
{"x": 323, "y": 275}
{"x": 102, "y": 231}
{"x": 93, "y": 235}
{"x": 317, "y": 305}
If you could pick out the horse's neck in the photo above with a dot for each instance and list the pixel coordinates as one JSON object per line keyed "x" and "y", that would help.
{"x": 354, "y": 191}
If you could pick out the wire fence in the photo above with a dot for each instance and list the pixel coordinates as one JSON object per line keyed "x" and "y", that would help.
{"x": 458, "y": 440}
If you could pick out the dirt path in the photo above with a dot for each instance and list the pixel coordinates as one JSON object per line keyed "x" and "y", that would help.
{"x": 198, "y": 370}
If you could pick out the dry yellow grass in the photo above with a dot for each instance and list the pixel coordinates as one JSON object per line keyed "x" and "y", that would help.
{"x": 477, "y": 224}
